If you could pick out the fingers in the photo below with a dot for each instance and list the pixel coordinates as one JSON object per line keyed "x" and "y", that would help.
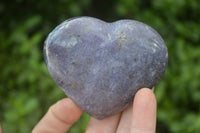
{"x": 59, "y": 117}
{"x": 125, "y": 121}
{"x": 108, "y": 125}
{"x": 144, "y": 112}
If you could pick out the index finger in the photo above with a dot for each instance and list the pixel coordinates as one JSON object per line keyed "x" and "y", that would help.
{"x": 59, "y": 117}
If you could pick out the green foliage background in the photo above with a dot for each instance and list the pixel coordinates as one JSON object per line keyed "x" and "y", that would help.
{"x": 27, "y": 89}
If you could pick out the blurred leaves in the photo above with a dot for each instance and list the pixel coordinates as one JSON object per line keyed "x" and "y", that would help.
{"x": 27, "y": 89}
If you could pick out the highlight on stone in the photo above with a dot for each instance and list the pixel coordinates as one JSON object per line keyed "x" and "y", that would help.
{"x": 101, "y": 66}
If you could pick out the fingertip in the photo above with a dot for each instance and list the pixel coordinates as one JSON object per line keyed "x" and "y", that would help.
{"x": 145, "y": 94}
{"x": 68, "y": 111}
{"x": 68, "y": 104}
{"x": 146, "y": 90}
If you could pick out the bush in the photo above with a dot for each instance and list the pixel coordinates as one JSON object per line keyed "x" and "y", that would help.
{"x": 27, "y": 89}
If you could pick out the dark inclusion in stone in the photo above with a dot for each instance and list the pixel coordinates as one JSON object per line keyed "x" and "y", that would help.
{"x": 101, "y": 66}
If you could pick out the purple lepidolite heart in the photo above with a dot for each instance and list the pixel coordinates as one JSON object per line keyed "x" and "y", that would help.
{"x": 100, "y": 65}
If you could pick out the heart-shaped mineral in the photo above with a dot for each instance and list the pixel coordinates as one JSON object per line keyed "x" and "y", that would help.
{"x": 100, "y": 65}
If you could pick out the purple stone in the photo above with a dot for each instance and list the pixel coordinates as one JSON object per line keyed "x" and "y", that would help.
{"x": 101, "y": 66}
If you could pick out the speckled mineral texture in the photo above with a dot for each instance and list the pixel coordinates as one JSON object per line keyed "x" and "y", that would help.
{"x": 100, "y": 65}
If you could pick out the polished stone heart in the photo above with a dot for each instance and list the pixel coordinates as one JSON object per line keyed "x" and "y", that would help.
{"x": 100, "y": 65}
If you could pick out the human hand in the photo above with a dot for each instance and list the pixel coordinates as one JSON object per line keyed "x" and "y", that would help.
{"x": 137, "y": 118}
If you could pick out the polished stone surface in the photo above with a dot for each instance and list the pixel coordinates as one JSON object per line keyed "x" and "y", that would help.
{"x": 100, "y": 65}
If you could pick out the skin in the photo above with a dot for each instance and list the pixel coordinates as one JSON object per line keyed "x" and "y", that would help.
{"x": 137, "y": 118}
